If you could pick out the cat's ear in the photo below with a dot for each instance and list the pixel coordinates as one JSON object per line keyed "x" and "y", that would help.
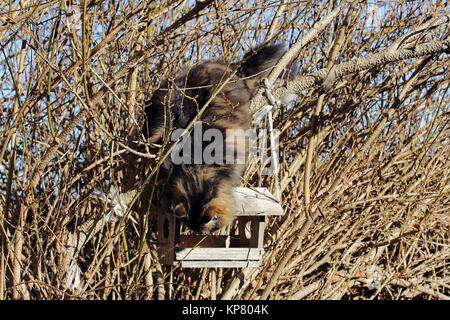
{"x": 180, "y": 210}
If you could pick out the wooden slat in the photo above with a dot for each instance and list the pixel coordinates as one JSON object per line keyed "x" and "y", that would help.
{"x": 232, "y": 254}
{"x": 220, "y": 264}
{"x": 256, "y": 202}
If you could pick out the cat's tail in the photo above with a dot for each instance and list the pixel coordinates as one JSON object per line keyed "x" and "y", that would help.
{"x": 258, "y": 63}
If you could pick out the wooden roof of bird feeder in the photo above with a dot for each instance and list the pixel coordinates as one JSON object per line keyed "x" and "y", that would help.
{"x": 245, "y": 250}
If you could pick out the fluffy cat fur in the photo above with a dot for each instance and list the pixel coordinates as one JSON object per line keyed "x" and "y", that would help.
{"x": 201, "y": 194}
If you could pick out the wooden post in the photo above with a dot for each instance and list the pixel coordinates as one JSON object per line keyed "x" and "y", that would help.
{"x": 251, "y": 231}
{"x": 168, "y": 234}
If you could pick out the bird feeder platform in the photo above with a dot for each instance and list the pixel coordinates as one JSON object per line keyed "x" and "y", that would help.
{"x": 221, "y": 251}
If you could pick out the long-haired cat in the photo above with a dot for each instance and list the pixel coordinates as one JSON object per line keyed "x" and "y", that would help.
{"x": 200, "y": 193}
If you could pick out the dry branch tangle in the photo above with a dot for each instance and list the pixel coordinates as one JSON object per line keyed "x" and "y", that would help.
{"x": 389, "y": 209}
{"x": 387, "y": 56}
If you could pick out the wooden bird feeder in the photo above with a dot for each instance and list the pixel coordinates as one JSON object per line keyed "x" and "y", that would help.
{"x": 212, "y": 251}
